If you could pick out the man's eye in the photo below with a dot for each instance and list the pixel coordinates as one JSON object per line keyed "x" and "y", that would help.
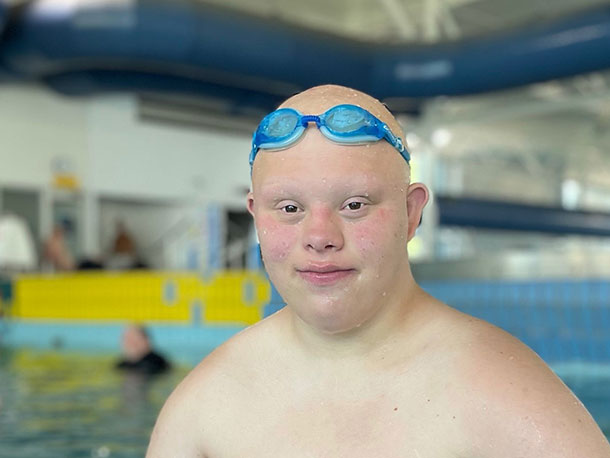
{"x": 355, "y": 205}
{"x": 290, "y": 209}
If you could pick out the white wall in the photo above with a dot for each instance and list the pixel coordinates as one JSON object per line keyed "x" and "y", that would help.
{"x": 36, "y": 127}
{"x": 131, "y": 158}
{"x": 112, "y": 151}
{"x": 115, "y": 155}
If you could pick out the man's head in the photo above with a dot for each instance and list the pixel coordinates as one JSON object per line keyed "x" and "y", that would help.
{"x": 332, "y": 218}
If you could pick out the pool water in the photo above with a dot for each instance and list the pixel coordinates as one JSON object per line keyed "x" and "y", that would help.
{"x": 64, "y": 405}
{"x": 591, "y": 383}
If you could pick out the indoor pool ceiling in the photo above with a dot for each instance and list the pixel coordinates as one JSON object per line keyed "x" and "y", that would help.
{"x": 254, "y": 53}
{"x": 481, "y": 57}
{"x": 410, "y": 21}
{"x": 578, "y": 106}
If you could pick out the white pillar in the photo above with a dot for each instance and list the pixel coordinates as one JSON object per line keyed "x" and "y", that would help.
{"x": 90, "y": 225}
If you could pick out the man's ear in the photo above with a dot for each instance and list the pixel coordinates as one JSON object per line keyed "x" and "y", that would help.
{"x": 250, "y": 203}
{"x": 417, "y": 197}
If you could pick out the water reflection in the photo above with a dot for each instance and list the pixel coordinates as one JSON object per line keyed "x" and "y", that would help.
{"x": 76, "y": 405}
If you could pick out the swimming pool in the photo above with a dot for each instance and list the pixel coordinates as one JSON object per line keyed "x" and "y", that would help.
{"x": 68, "y": 404}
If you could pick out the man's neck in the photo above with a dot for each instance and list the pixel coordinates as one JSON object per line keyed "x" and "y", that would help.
{"x": 395, "y": 323}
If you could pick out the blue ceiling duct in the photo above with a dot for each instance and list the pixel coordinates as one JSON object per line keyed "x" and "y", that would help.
{"x": 4, "y": 10}
{"x": 3, "y": 16}
{"x": 187, "y": 47}
{"x": 512, "y": 216}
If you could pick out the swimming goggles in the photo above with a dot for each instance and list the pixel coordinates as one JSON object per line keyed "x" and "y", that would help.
{"x": 348, "y": 124}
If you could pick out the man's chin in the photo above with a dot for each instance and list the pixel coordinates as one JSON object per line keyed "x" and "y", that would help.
{"x": 330, "y": 318}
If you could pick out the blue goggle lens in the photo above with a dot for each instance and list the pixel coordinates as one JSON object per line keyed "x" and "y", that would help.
{"x": 281, "y": 123}
{"x": 343, "y": 120}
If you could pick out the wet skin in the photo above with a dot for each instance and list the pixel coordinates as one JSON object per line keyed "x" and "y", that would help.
{"x": 362, "y": 363}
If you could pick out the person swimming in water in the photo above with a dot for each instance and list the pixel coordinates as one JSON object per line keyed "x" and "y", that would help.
{"x": 138, "y": 353}
{"x": 361, "y": 362}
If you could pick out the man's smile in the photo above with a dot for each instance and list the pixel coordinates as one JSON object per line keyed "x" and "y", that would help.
{"x": 324, "y": 274}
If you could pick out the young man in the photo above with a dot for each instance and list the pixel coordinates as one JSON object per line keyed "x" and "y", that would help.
{"x": 361, "y": 363}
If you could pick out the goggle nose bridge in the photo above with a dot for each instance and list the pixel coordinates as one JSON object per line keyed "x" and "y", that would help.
{"x": 306, "y": 119}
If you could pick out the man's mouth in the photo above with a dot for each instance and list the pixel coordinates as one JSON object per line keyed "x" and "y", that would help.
{"x": 324, "y": 274}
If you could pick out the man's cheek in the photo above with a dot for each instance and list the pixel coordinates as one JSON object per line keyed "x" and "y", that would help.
{"x": 276, "y": 240}
{"x": 374, "y": 233}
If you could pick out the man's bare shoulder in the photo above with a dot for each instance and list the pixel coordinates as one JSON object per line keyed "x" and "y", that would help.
{"x": 510, "y": 402}
{"x": 233, "y": 366}
{"x": 209, "y": 395}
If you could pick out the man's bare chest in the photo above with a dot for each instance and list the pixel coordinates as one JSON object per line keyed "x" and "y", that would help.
{"x": 381, "y": 426}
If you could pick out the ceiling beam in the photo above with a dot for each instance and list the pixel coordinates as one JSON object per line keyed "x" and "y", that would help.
{"x": 399, "y": 15}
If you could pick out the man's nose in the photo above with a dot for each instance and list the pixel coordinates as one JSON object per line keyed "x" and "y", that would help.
{"x": 322, "y": 231}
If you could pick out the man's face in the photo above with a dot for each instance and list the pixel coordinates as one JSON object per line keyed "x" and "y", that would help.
{"x": 333, "y": 227}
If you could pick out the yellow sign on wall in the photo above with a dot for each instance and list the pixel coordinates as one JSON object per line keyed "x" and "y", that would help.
{"x": 236, "y": 297}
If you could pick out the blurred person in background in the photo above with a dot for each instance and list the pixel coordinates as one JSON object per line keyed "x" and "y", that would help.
{"x": 123, "y": 242}
{"x": 123, "y": 254}
{"x": 138, "y": 353}
{"x": 361, "y": 362}
{"x": 56, "y": 254}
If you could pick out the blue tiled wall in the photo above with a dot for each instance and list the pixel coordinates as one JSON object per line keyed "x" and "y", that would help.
{"x": 561, "y": 320}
